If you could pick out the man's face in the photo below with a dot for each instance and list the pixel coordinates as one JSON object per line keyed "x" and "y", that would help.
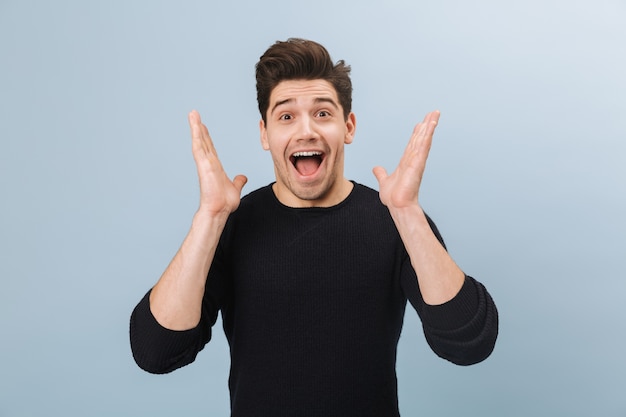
{"x": 305, "y": 133}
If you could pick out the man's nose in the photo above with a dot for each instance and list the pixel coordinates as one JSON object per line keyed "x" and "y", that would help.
{"x": 306, "y": 129}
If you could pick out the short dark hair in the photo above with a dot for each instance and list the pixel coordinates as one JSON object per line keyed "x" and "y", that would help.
{"x": 300, "y": 59}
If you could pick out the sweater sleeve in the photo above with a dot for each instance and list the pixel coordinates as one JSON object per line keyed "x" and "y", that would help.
{"x": 464, "y": 329}
{"x": 159, "y": 350}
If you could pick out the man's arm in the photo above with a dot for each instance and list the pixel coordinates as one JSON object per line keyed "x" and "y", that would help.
{"x": 176, "y": 299}
{"x": 164, "y": 327}
{"x": 440, "y": 279}
{"x": 459, "y": 318}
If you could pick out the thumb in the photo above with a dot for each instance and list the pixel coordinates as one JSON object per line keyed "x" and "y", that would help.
{"x": 380, "y": 173}
{"x": 239, "y": 181}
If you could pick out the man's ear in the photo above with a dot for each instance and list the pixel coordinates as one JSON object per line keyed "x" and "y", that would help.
{"x": 264, "y": 142}
{"x": 350, "y": 128}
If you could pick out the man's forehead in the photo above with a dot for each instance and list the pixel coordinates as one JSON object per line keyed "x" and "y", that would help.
{"x": 296, "y": 90}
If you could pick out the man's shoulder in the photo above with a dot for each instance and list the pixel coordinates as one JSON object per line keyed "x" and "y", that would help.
{"x": 363, "y": 194}
{"x": 260, "y": 194}
{"x": 365, "y": 190}
{"x": 259, "y": 200}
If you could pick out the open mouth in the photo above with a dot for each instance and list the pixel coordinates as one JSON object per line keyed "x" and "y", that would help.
{"x": 307, "y": 163}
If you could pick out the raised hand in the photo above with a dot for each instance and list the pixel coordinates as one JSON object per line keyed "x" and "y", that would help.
{"x": 176, "y": 299}
{"x": 218, "y": 194}
{"x": 401, "y": 188}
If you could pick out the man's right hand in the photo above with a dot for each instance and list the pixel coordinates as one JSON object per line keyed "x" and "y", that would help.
{"x": 218, "y": 194}
{"x": 176, "y": 299}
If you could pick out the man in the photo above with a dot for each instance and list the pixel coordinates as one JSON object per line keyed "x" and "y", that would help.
{"x": 311, "y": 273}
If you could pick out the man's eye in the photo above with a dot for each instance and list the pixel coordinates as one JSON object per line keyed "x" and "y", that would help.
{"x": 323, "y": 113}
{"x": 285, "y": 117}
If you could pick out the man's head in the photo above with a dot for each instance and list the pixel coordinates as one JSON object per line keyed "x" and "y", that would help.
{"x": 300, "y": 59}
{"x": 305, "y": 104}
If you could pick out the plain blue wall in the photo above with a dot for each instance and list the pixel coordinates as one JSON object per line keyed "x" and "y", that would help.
{"x": 525, "y": 180}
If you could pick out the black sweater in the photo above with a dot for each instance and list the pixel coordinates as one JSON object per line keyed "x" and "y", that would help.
{"x": 312, "y": 301}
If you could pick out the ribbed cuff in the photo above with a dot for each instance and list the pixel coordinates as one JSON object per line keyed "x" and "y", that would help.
{"x": 155, "y": 348}
{"x": 455, "y": 313}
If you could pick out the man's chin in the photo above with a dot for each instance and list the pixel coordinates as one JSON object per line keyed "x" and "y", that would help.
{"x": 303, "y": 194}
{"x": 310, "y": 193}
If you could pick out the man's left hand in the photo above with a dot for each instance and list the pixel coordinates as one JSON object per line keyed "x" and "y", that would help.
{"x": 401, "y": 188}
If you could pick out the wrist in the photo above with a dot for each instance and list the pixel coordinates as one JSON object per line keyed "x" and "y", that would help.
{"x": 207, "y": 215}
{"x": 208, "y": 223}
{"x": 411, "y": 211}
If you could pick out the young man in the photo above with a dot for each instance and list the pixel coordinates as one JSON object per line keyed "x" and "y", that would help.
{"x": 311, "y": 273}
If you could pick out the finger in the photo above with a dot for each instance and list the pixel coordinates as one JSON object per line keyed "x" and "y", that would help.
{"x": 421, "y": 139}
{"x": 430, "y": 124}
{"x": 201, "y": 139}
{"x": 418, "y": 134}
{"x": 207, "y": 139}
{"x": 380, "y": 173}
{"x": 415, "y": 135}
{"x": 196, "y": 131}
{"x": 425, "y": 127}
{"x": 194, "y": 124}
{"x": 432, "y": 116}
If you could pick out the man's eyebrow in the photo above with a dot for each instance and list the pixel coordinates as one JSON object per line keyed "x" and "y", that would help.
{"x": 326, "y": 100}
{"x": 280, "y": 103}
{"x": 316, "y": 101}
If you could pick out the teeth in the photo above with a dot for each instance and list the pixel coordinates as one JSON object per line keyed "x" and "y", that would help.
{"x": 310, "y": 153}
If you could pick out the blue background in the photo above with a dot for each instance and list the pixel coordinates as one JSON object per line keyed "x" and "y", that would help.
{"x": 525, "y": 181}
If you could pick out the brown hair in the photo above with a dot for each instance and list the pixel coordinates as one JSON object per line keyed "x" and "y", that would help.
{"x": 300, "y": 59}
